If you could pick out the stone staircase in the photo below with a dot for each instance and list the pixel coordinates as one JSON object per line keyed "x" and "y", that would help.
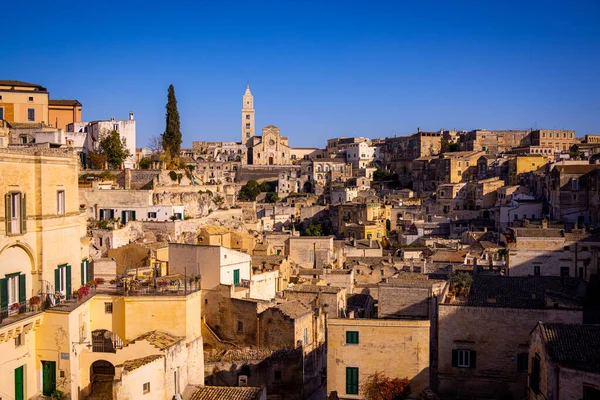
{"x": 102, "y": 388}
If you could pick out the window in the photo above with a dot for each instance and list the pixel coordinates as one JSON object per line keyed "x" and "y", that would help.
{"x": 62, "y": 279}
{"x": 16, "y": 222}
{"x": 30, "y": 98}
{"x": 277, "y": 375}
{"x": 305, "y": 336}
{"x": 575, "y": 184}
{"x": 536, "y": 270}
{"x": 236, "y": 277}
{"x": 351, "y": 380}
{"x": 534, "y": 379}
{"x": 351, "y": 337}
{"x": 459, "y": 172}
{"x": 31, "y": 114}
{"x": 240, "y": 327}
{"x": 13, "y": 291}
{"x": 1, "y": 111}
{"x": 146, "y": 387}
{"x": 151, "y": 215}
{"x": 584, "y": 248}
{"x": 247, "y": 126}
{"x": 108, "y": 308}
{"x": 116, "y": 127}
{"x": 60, "y": 201}
{"x": 564, "y": 271}
{"x": 463, "y": 358}
{"x": 247, "y": 116}
{"x": 19, "y": 340}
{"x": 590, "y": 393}
{"x": 522, "y": 360}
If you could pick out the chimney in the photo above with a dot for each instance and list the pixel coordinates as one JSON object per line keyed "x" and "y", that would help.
{"x": 418, "y": 130}
{"x": 131, "y": 115}
{"x": 370, "y": 243}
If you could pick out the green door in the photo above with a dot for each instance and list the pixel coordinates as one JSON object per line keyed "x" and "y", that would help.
{"x": 236, "y": 277}
{"x": 48, "y": 377}
{"x": 19, "y": 384}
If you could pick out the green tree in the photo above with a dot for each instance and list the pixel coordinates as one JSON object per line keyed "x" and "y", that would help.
{"x": 272, "y": 197}
{"x": 250, "y": 191}
{"x": 314, "y": 229}
{"x": 145, "y": 163}
{"x": 114, "y": 148}
{"x": 96, "y": 160}
{"x": 266, "y": 187}
{"x": 171, "y": 138}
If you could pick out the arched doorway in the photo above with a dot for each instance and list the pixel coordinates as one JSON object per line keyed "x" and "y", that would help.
{"x": 102, "y": 375}
{"x": 271, "y": 159}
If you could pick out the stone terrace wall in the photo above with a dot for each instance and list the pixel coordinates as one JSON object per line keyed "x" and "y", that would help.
{"x": 261, "y": 172}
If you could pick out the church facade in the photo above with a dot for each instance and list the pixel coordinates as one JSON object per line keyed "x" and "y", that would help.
{"x": 269, "y": 149}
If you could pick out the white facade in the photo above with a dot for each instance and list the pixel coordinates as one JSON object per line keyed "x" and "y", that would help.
{"x": 518, "y": 211}
{"x": 343, "y": 194}
{"x": 263, "y": 286}
{"x": 360, "y": 155}
{"x": 126, "y": 129}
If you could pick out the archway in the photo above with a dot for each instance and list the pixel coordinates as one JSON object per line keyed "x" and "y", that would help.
{"x": 102, "y": 376}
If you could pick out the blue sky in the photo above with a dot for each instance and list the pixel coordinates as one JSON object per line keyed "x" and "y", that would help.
{"x": 317, "y": 71}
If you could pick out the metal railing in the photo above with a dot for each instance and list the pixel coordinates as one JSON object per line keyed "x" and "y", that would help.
{"x": 104, "y": 341}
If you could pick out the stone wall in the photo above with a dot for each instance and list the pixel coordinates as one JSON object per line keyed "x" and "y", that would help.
{"x": 260, "y": 173}
{"x": 497, "y": 335}
{"x": 399, "y": 302}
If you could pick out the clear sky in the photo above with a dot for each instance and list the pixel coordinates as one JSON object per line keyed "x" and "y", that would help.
{"x": 317, "y": 69}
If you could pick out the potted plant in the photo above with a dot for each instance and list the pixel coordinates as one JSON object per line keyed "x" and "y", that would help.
{"x": 82, "y": 292}
{"x": 99, "y": 281}
{"x": 34, "y": 302}
{"x": 14, "y": 308}
{"x": 58, "y": 395}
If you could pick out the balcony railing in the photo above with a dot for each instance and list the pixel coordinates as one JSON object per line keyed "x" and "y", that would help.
{"x": 17, "y": 311}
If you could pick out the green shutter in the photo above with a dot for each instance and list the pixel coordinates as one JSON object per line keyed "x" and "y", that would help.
{"x": 351, "y": 337}
{"x": 133, "y": 215}
{"x": 82, "y": 272}
{"x": 89, "y": 271}
{"x": 68, "y": 283}
{"x": 454, "y": 358}
{"x": 7, "y": 212}
{"x": 23, "y": 213}
{"x": 57, "y": 280}
{"x": 123, "y": 217}
{"x": 236, "y": 277}
{"x": 22, "y": 289}
{"x": 351, "y": 380}
{"x": 3, "y": 293}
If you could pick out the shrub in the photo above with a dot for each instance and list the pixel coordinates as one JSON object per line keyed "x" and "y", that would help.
{"x": 173, "y": 175}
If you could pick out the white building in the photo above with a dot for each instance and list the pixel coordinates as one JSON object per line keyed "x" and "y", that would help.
{"x": 518, "y": 211}
{"x": 126, "y": 129}
{"x": 343, "y": 194}
{"x": 360, "y": 155}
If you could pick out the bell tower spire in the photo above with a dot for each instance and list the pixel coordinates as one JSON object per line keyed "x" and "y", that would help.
{"x": 247, "y": 115}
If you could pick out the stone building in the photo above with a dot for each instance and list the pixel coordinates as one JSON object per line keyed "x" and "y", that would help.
{"x": 563, "y": 362}
{"x": 310, "y": 251}
{"x": 43, "y": 255}
{"x": 247, "y": 116}
{"x": 332, "y": 298}
{"x": 559, "y": 140}
{"x": 491, "y": 141}
{"x": 483, "y": 334}
{"x": 23, "y": 102}
{"x": 357, "y": 348}
{"x": 126, "y": 129}
{"x": 269, "y": 149}
{"x": 570, "y": 189}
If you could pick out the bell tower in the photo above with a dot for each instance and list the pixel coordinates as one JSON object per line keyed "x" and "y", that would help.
{"x": 247, "y": 116}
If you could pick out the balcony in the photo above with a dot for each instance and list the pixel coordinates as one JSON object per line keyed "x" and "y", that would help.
{"x": 19, "y": 318}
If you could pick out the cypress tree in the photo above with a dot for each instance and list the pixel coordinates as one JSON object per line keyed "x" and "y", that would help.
{"x": 171, "y": 138}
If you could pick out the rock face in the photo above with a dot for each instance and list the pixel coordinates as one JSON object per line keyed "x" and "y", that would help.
{"x": 196, "y": 204}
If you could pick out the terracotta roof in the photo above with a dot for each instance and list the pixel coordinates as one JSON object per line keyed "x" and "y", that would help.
{"x": 449, "y": 256}
{"x": 63, "y": 103}
{"x": 228, "y": 393}
{"x": 9, "y": 82}
{"x": 159, "y": 339}
{"x": 293, "y": 309}
{"x": 531, "y": 292}
{"x": 577, "y": 169}
{"x": 131, "y": 365}
{"x": 573, "y": 345}
{"x": 412, "y": 279}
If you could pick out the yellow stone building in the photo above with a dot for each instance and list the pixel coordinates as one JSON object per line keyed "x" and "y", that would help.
{"x": 125, "y": 342}
{"x": 23, "y": 102}
{"x": 522, "y": 164}
{"x": 357, "y": 348}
